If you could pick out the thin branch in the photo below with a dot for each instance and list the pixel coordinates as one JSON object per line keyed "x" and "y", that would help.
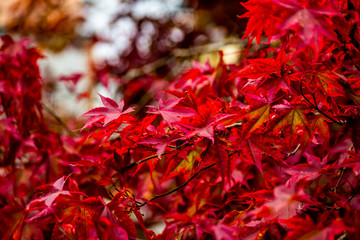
{"x": 116, "y": 188}
{"x": 354, "y": 194}
{"x": 342, "y": 236}
{"x": 351, "y": 186}
{"x": 179, "y": 187}
{"x": 178, "y": 53}
{"x": 339, "y": 181}
{"x": 293, "y": 152}
{"x": 58, "y": 119}
{"x": 313, "y": 95}
{"x": 111, "y": 195}
{"x": 141, "y": 161}
{"x": 148, "y": 158}
{"x": 315, "y": 106}
{"x": 237, "y": 124}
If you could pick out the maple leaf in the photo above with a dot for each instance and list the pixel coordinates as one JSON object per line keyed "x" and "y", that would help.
{"x": 116, "y": 209}
{"x": 57, "y": 189}
{"x": 181, "y": 161}
{"x": 353, "y": 162}
{"x": 217, "y": 153}
{"x": 198, "y": 79}
{"x": 12, "y": 218}
{"x": 263, "y": 16}
{"x": 300, "y": 228}
{"x": 148, "y": 233}
{"x": 222, "y": 232}
{"x": 48, "y": 204}
{"x": 260, "y": 67}
{"x": 286, "y": 203}
{"x": 252, "y": 152}
{"x": 169, "y": 112}
{"x": 292, "y": 119}
{"x": 160, "y": 144}
{"x": 204, "y": 129}
{"x": 314, "y": 22}
{"x": 320, "y": 126}
{"x": 108, "y": 230}
{"x": 208, "y": 118}
{"x": 302, "y": 171}
{"x": 256, "y": 116}
{"x": 226, "y": 164}
{"x": 268, "y": 74}
{"x": 110, "y": 112}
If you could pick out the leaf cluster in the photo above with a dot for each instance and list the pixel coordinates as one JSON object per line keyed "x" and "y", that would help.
{"x": 265, "y": 149}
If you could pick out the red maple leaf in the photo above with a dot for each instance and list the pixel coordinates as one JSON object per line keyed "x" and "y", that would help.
{"x": 170, "y": 112}
{"x": 263, "y": 16}
{"x": 107, "y": 114}
{"x": 313, "y": 21}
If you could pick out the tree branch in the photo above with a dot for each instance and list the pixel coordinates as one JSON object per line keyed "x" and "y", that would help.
{"x": 315, "y": 106}
{"x": 179, "y": 187}
{"x": 178, "y": 53}
{"x": 58, "y": 119}
{"x": 354, "y": 194}
{"x": 141, "y": 161}
{"x": 339, "y": 181}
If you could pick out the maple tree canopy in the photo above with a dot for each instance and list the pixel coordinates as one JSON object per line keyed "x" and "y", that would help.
{"x": 264, "y": 149}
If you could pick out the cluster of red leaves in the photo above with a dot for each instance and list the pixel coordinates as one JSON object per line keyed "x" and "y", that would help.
{"x": 266, "y": 149}
{"x": 51, "y": 186}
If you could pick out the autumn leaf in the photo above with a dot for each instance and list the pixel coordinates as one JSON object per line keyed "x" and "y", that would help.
{"x": 253, "y": 153}
{"x": 260, "y": 67}
{"x": 263, "y": 16}
{"x": 170, "y": 112}
{"x": 207, "y": 119}
{"x": 314, "y": 22}
{"x": 305, "y": 228}
{"x": 302, "y": 171}
{"x": 256, "y": 118}
{"x": 57, "y": 189}
{"x": 115, "y": 210}
{"x": 292, "y": 121}
{"x": 12, "y": 218}
{"x": 285, "y": 204}
{"x": 267, "y": 148}
{"x": 110, "y": 112}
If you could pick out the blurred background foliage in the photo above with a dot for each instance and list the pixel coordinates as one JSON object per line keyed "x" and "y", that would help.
{"x": 51, "y": 23}
{"x": 125, "y": 49}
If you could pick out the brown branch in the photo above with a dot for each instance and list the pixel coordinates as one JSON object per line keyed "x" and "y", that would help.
{"x": 211, "y": 47}
{"x": 315, "y": 106}
{"x": 178, "y": 53}
{"x": 147, "y": 159}
{"x": 293, "y": 152}
{"x": 342, "y": 236}
{"x": 141, "y": 161}
{"x": 179, "y": 187}
{"x": 339, "y": 181}
{"x": 354, "y": 194}
{"x": 58, "y": 119}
